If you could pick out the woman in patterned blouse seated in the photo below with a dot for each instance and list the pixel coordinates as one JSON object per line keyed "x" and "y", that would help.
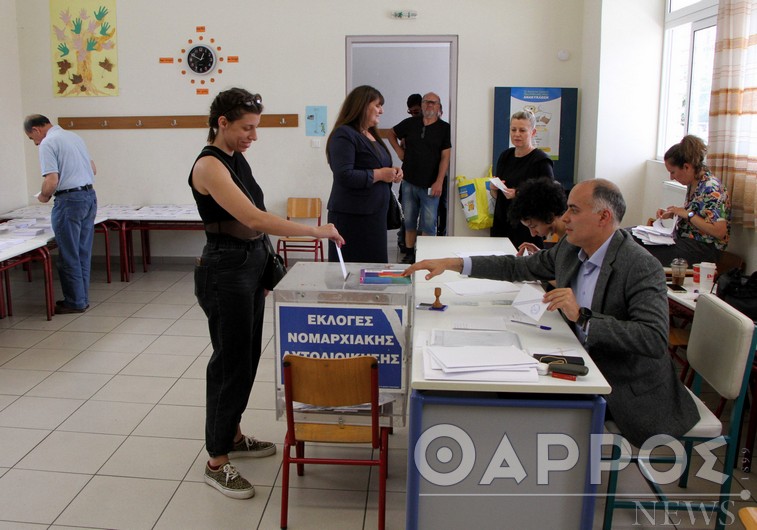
{"x": 704, "y": 221}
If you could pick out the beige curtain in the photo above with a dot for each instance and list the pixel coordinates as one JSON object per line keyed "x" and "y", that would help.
{"x": 732, "y": 150}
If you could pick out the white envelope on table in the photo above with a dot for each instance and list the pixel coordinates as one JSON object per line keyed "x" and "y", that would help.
{"x": 529, "y": 302}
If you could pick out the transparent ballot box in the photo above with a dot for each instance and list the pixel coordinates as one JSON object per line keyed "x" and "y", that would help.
{"x": 320, "y": 314}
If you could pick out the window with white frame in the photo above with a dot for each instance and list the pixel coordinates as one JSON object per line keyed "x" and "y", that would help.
{"x": 689, "y": 49}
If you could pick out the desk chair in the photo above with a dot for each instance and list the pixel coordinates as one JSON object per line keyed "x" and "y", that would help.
{"x": 723, "y": 358}
{"x": 332, "y": 383}
{"x": 678, "y": 337}
{"x": 302, "y": 209}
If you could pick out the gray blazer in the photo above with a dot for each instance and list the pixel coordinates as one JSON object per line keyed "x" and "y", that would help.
{"x": 628, "y": 333}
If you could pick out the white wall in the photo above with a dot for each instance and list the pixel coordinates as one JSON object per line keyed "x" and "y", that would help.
{"x": 629, "y": 91}
{"x": 293, "y": 53}
{"x": 13, "y": 172}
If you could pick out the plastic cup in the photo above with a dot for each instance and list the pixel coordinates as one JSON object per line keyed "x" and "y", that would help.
{"x": 697, "y": 272}
{"x": 678, "y": 271}
{"x": 706, "y": 276}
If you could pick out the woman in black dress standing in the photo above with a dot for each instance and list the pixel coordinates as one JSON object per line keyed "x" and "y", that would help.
{"x": 363, "y": 177}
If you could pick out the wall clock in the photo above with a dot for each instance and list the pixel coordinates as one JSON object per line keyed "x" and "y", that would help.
{"x": 201, "y": 61}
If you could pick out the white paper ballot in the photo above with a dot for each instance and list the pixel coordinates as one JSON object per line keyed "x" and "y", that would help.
{"x": 496, "y": 182}
{"x": 529, "y": 302}
{"x": 341, "y": 262}
{"x": 490, "y": 323}
{"x": 462, "y": 358}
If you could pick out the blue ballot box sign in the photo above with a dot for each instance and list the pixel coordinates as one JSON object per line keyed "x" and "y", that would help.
{"x": 338, "y": 332}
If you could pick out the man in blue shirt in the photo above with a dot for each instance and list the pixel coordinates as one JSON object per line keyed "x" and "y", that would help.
{"x": 68, "y": 174}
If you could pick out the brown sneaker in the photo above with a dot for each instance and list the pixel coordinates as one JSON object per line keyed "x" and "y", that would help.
{"x": 228, "y": 481}
{"x": 249, "y": 446}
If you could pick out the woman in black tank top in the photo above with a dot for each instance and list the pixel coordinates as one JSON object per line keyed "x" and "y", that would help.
{"x": 227, "y": 279}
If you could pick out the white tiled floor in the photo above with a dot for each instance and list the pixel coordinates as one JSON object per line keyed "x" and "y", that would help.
{"x": 102, "y": 415}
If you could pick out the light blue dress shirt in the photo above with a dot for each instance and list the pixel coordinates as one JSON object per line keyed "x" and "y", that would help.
{"x": 584, "y": 283}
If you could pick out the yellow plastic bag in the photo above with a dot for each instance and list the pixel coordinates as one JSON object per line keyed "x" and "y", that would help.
{"x": 477, "y": 201}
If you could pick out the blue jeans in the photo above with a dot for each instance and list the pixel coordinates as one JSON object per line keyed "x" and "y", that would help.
{"x": 227, "y": 286}
{"x": 419, "y": 209}
{"x": 73, "y": 220}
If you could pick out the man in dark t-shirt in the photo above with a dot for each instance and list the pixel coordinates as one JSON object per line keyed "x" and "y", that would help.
{"x": 425, "y": 153}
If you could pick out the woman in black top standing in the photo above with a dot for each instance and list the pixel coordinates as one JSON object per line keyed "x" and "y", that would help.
{"x": 227, "y": 279}
{"x": 514, "y": 166}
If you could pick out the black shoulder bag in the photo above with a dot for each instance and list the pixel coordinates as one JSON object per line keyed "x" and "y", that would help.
{"x": 274, "y": 270}
{"x": 739, "y": 290}
{"x": 394, "y": 217}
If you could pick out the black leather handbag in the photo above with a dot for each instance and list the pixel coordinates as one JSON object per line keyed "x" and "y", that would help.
{"x": 274, "y": 270}
{"x": 394, "y": 217}
{"x": 739, "y": 290}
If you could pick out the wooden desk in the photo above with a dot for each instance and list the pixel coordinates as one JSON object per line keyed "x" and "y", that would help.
{"x": 458, "y": 428}
{"x": 128, "y": 219}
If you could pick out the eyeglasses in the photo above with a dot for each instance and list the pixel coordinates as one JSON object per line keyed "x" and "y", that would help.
{"x": 254, "y": 100}
{"x": 430, "y": 102}
{"x": 423, "y": 132}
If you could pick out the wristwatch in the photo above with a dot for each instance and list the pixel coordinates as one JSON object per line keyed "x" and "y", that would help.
{"x": 691, "y": 214}
{"x": 584, "y": 314}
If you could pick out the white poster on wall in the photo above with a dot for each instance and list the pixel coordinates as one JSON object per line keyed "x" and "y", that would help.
{"x": 545, "y": 104}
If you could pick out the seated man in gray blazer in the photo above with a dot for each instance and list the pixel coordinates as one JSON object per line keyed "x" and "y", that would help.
{"x": 612, "y": 292}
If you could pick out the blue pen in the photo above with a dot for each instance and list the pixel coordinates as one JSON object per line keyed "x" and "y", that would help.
{"x": 531, "y": 324}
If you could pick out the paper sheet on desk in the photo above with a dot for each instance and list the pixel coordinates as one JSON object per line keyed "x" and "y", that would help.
{"x": 458, "y": 337}
{"x": 492, "y": 323}
{"x": 497, "y": 322}
{"x": 475, "y": 286}
{"x": 8, "y": 243}
{"x": 529, "y": 375}
{"x": 475, "y": 358}
{"x": 529, "y": 302}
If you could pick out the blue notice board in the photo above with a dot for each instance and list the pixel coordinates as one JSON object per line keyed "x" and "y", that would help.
{"x": 337, "y": 332}
{"x": 555, "y": 110}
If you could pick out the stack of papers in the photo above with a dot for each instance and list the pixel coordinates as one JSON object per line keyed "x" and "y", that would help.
{"x": 28, "y": 232}
{"x": 8, "y": 243}
{"x": 660, "y": 233}
{"x": 22, "y": 223}
{"x": 453, "y": 359}
{"x": 478, "y": 356}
